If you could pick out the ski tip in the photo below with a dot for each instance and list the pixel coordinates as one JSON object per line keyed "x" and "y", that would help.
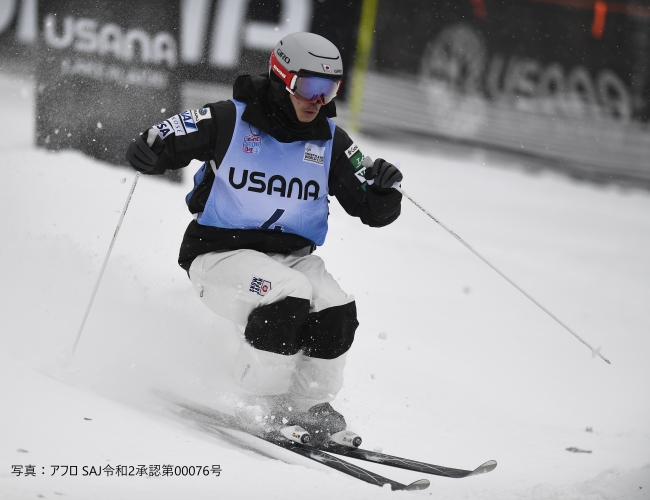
{"x": 488, "y": 466}
{"x": 420, "y": 484}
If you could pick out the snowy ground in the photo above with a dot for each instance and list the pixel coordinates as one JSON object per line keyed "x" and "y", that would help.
{"x": 451, "y": 365}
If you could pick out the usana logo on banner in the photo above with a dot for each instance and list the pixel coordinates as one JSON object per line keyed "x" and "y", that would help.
{"x": 105, "y": 72}
{"x": 540, "y": 51}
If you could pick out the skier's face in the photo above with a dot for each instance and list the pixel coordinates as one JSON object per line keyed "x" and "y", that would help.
{"x": 305, "y": 111}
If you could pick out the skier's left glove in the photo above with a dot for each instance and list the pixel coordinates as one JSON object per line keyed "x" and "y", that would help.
{"x": 383, "y": 174}
{"x": 141, "y": 156}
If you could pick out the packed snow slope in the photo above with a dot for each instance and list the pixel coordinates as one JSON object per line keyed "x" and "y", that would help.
{"x": 450, "y": 365}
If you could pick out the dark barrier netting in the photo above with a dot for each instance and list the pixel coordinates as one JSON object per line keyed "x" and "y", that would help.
{"x": 105, "y": 72}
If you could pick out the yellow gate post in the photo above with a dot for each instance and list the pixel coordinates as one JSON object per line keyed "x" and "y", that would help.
{"x": 364, "y": 46}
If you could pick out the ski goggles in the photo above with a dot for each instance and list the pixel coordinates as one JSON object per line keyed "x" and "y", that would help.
{"x": 307, "y": 88}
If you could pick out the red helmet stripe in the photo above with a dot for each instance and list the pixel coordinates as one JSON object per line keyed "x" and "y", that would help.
{"x": 281, "y": 71}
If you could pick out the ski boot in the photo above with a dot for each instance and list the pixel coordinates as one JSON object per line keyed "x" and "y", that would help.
{"x": 271, "y": 418}
{"x": 328, "y": 426}
{"x": 321, "y": 425}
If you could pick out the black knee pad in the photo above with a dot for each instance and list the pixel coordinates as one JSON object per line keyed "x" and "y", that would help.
{"x": 276, "y": 327}
{"x": 329, "y": 333}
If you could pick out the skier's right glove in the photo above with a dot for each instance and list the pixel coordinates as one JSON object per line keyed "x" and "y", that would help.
{"x": 140, "y": 155}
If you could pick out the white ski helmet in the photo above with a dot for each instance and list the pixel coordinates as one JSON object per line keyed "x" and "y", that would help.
{"x": 309, "y": 65}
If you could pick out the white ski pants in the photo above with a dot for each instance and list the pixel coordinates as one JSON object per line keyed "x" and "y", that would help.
{"x": 297, "y": 322}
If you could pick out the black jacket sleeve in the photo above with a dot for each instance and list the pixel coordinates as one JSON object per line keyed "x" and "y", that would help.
{"x": 190, "y": 135}
{"x": 376, "y": 207}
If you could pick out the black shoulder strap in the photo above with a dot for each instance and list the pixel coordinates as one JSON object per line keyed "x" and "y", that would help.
{"x": 226, "y": 118}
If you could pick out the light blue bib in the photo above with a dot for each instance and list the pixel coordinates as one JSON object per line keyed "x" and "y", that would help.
{"x": 269, "y": 185}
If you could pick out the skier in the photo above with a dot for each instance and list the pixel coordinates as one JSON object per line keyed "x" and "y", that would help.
{"x": 272, "y": 155}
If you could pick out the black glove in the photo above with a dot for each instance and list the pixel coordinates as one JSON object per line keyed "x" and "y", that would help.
{"x": 140, "y": 156}
{"x": 384, "y": 174}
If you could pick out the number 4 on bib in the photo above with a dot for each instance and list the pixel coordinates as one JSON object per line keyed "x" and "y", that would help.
{"x": 273, "y": 219}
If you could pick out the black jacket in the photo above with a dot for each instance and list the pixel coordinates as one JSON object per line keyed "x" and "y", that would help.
{"x": 269, "y": 109}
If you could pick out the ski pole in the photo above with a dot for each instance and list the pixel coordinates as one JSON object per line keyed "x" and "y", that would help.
{"x": 108, "y": 254}
{"x": 594, "y": 351}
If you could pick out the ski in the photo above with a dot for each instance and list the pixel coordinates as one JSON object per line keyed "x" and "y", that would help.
{"x": 326, "y": 459}
{"x": 359, "y": 453}
{"x": 220, "y": 423}
{"x": 405, "y": 463}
